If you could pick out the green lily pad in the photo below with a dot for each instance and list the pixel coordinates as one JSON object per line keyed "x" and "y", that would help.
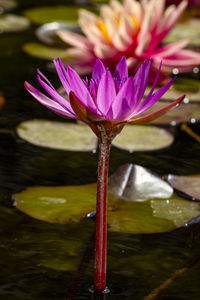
{"x": 12, "y": 23}
{"x": 189, "y": 185}
{"x": 6, "y": 5}
{"x": 143, "y": 138}
{"x": 67, "y": 204}
{"x": 188, "y": 86}
{"x": 58, "y": 135}
{"x": 47, "y": 14}
{"x": 189, "y": 30}
{"x": 185, "y": 112}
{"x": 45, "y": 52}
{"x": 64, "y": 204}
{"x": 78, "y": 137}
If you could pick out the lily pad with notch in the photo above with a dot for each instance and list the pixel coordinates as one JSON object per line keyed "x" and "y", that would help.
{"x": 46, "y": 14}
{"x": 45, "y": 52}
{"x": 140, "y": 211}
{"x": 13, "y": 23}
{"x": 187, "y": 185}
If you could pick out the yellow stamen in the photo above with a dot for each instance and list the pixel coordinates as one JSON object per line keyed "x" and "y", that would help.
{"x": 104, "y": 31}
{"x": 135, "y": 22}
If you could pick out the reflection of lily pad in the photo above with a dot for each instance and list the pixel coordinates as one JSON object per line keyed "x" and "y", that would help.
{"x": 189, "y": 185}
{"x": 189, "y": 30}
{"x": 6, "y": 5}
{"x": 135, "y": 183}
{"x": 143, "y": 138}
{"x": 12, "y": 23}
{"x": 71, "y": 203}
{"x": 47, "y": 14}
{"x": 58, "y": 135}
{"x": 190, "y": 87}
{"x": 47, "y": 33}
{"x": 185, "y": 112}
{"x": 44, "y": 52}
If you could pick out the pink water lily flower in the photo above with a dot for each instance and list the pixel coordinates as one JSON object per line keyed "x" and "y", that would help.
{"x": 104, "y": 98}
{"x": 132, "y": 29}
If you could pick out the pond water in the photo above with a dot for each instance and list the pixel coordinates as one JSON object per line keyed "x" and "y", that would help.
{"x": 41, "y": 260}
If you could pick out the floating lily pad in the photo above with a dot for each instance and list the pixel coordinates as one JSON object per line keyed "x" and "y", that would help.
{"x": 47, "y": 14}
{"x": 185, "y": 112}
{"x": 189, "y": 185}
{"x": 6, "y": 5}
{"x": 189, "y": 30}
{"x": 72, "y": 203}
{"x": 47, "y": 33}
{"x": 190, "y": 87}
{"x": 143, "y": 138}
{"x": 58, "y": 135}
{"x": 12, "y": 23}
{"x": 135, "y": 183}
{"x": 44, "y": 52}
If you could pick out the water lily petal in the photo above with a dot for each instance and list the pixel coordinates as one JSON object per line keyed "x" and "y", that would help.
{"x": 157, "y": 113}
{"x": 49, "y": 103}
{"x": 98, "y": 70}
{"x": 106, "y": 93}
{"x": 121, "y": 73}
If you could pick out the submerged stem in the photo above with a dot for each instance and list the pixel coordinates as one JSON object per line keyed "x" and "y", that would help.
{"x": 101, "y": 215}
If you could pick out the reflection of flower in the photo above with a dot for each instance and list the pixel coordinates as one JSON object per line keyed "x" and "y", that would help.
{"x": 132, "y": 29}
{"x": 105, "y": 98}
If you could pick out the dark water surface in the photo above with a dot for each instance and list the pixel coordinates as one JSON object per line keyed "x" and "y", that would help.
{"x": 49, "y": 261}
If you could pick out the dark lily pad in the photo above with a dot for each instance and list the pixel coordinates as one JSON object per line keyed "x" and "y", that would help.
{"x": 12, "y": 23}
{"x": 189, "y": 30}
{"x": 72, "y": 203}
{"x": 143, "y": 138}
{"x": 47, "y": 14}
{"x": 190, "y": 87}
{"x": 135, "y": 183}
{"x": 185, "y": 112}
{"x": 189, "y": 185}
{"x": 47, "y": 33}
{"x": 6, "y": 5}
{"x": 44, "y": 52}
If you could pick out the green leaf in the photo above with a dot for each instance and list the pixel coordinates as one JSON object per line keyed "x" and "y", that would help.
{"x": 69, "y": 204}
{"x": 143, "y": 138}
{"x": 47, "y": 14}
{"x": 185, "y": 112}
{"x": 189, "y": 30}
{"x": 190, "y": 87}
{"x": 58, "y": 135}
{"x": 45, "y": 52}
{"x": 12, "y": 23}
{"x": 189, "y": 185}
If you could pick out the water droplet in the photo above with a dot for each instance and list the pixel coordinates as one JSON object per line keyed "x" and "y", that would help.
{"x": 94, "y": 151}
{"x": 196, "y": 70}
{"x": 175, "y": 71}
{"x": 186, "y": 100}
{"x": 193, "y": 120}
{"x": 91, "y": 215}
{"x": 173, "y": 123}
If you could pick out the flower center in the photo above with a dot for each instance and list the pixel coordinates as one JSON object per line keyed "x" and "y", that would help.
{"x": 104, "y": 31}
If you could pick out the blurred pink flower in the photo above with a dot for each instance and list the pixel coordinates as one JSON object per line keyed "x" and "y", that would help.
{"x": 132, "y": 29}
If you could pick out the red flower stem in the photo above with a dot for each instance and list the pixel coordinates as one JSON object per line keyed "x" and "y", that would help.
{"x": 101, "y": 215}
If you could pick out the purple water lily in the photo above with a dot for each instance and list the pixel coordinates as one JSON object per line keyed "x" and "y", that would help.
{"x": 106, "y": 103}
{"x": 113, "y": 99}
